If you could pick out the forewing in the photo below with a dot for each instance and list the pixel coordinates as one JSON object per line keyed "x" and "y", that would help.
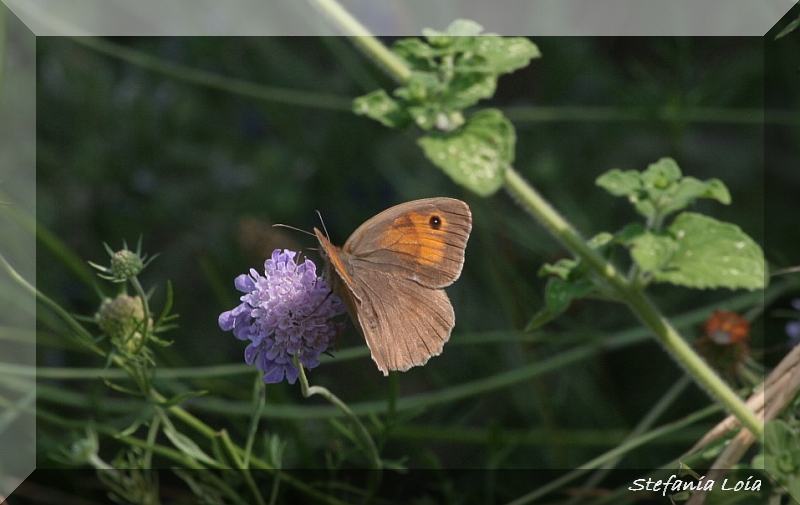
{"x": 422, "y": 240}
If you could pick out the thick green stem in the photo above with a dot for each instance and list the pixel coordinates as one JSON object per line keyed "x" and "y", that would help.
{"x": 363, "y": 38}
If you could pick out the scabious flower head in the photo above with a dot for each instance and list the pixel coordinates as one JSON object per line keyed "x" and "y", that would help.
{"x": 284, "y": 313}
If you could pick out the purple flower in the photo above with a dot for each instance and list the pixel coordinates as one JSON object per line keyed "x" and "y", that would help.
{"x": 284, "y": 313}
{"x": 793, "y": 327}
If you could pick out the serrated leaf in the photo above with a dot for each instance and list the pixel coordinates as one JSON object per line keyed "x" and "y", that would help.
{"x": 380, "y": 106}
{"x": 558, "y": 297}
{"x": 712, "y": 254}
{"x": 661, "y": 190}
{"x": 466, "y": 89}
{"x": 620, "y": 183}
{"x": 661, "y": 174}
{"x": 629, "y": 233}
{"x": 651, "y": 251}
{"x": 690, "y": 189}
{"x": 506, "y": 54}
{"x": 424, "y": 116}
{"x": 600, "y": 240}
{"x": 421, "y": 86}
{"x": 418, "y": 54}
{"x": 476, "y": 154}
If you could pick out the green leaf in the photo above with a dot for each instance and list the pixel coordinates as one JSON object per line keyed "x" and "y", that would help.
{"x": 711, "y": 254}
{"x": 572, "y": 280}
{"x": 689, "y": 189}
{"x": 419, "y": 55}
{"x": 652, "y": 251}
{"x": 600, "y": 240}
{"x": 506, "y": 54}
{"x": 661, "y": 174}
{"x": 177, "y": 399}
{"x": 460, "y": 28}
{"x": 421, "y": 87}
{"x": 424, "y": 116}
{"x": 627, "y": 235}
{"x": 466, "y": 89}
{"x": 561, "y": 268}
{"x": 661, "y": 190}
{"x": 620, "y": 183}
{"x": 559, "y": 294}
{"x": 380, "y": 106}
{"x": 476, "y": 154}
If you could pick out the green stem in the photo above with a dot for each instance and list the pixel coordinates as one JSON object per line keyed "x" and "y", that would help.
{"x": 237, "y": 460}
{"x": 363, "y": 39}
{"x": 259, "y": 402}
{"x": 325, "y": 393}
{"x": 215, "y": 81}
{"x": 664, "y": 403}
{"x": 146, "y": 306}
{"x": 82, "y": 334}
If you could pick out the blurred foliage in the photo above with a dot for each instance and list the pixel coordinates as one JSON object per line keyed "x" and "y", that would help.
{"x": 202, "y": 173}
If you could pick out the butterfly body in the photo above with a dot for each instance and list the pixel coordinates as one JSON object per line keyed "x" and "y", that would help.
{"x": 391, "y": 273}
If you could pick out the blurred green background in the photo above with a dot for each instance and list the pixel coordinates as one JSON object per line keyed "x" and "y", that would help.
{"x": 201, "y": 169}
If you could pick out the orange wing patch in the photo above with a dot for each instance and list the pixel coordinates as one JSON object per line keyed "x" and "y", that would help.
{"x": 419, "y": 235}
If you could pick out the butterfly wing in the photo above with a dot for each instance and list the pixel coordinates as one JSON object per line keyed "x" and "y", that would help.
{"x": 422, "y": 240}
{"x": 403, "y": 323}
{"x": 391, "y": 272}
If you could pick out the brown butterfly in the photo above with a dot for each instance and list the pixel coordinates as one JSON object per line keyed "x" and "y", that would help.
{"x": 391, "y": 273}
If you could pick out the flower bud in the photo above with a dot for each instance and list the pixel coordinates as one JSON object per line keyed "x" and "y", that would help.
{"x": 121, "y": 319}
{"x": 125, "y": 264}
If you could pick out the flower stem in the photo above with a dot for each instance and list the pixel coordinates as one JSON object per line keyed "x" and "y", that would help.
{"x": 240, "y": 464}
{"x": 324, "y": 392}
{"x": 137, "y": 286}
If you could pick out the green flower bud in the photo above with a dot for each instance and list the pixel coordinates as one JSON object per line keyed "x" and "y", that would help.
{"x": 121, "y": 319}
{"x": 125, "y": 264}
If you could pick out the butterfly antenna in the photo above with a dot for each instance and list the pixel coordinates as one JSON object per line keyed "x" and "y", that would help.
{"x": 293, "y": 228}
{"x": 324, "y": 228}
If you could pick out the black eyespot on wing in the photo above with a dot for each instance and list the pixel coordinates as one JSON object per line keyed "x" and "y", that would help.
{"x": 435, "y": 221}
